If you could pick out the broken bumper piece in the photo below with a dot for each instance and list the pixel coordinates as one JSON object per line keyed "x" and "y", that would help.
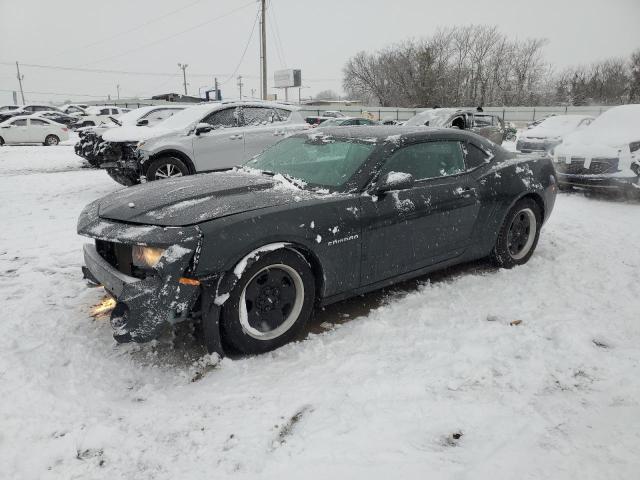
{"x": 144, "y": 306}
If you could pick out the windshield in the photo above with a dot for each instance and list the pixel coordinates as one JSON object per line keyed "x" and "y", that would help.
{"x": 318, "y": 161}
{"x": 130, "y": 118}
{"x": 435, "y": 118}
{"x": 185, "y": 118}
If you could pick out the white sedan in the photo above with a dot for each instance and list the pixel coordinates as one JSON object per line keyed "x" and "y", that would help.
{"x": 25, "y": 129}
{"x": 548, "y": 134}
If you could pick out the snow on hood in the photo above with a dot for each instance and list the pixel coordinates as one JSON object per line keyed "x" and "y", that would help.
{"x": 557, "y": 126}
{"x": 134, "y": 133}
{"x": 615, "y": 128}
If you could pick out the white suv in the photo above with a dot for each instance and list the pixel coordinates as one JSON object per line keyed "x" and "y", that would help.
{"x": 203, "y": 138}
{"x": 94, "y": 116}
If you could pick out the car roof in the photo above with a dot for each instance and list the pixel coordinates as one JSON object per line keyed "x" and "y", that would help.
{"x": 382, "y": 133}
{"x": 19, "y": 117}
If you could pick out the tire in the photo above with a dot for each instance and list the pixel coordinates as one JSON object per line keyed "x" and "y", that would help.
{"x": 51, "y": 141}
{"x": 280, "y": 288}
{"x": 123, "y": 178}
{"x": 166, "y": 167}
{"x": 519, "y": 234}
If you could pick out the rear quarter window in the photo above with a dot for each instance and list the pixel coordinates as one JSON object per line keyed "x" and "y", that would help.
{"x": 474, "y": 156}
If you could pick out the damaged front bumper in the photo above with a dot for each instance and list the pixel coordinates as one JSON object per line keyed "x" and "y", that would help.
{"x": 147, "y": 302}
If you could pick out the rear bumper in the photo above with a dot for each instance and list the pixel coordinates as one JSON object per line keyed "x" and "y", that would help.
{"x": 144, "y": 306}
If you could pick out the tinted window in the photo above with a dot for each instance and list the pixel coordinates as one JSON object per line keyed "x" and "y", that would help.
{"x": 39, "y": 123}
{"x": 427, "y": 160}
{"x": 104, "y": 111}
{"x": 474, "y": 156}
{"x": 29, "y": 109}
{"x": 20, "y": 123}
{"x": 257, "y": 116}
{"x": 223, "y": 118}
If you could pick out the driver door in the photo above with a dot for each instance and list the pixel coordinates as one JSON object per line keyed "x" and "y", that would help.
{"x": 433, "y": 221}
{"x": 222, "y": 147}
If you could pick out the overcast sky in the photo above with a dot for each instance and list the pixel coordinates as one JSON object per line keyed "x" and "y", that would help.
{"x": 316, "y": 36}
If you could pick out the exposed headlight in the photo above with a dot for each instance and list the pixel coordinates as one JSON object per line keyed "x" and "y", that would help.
{"x": 140, "y": 144}
{"x": 147, "y": 257}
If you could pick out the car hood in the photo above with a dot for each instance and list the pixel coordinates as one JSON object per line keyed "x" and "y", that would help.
{"x": 198, "y": 198}
{"x": 132, "y": 133}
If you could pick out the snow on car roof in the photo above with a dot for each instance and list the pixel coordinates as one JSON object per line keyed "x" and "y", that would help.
{"x": 615, "y": 127}
{"x": 131, "y": 117}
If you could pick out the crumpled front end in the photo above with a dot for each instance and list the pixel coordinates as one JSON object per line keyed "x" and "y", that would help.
{"x": 148, "y": 297}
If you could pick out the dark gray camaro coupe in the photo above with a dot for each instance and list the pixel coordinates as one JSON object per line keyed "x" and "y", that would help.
{"x": 315, "y": 219}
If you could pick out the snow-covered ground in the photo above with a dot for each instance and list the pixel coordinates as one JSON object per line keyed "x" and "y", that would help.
{"x": 429, "y": 380}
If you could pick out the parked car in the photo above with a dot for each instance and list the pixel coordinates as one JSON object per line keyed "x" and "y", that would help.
{"x": 605, "y": 155}
{"x": 97, "y": 115}
{"x": 29, "y": 129}
{"x": 201, "y": 138}
{"x": 314, "y": 219}
{"x": 549, "y": 133}
{"x": 58, "y": 117}
{"x": 74, "y": 108}
{"x": 8, "y": 108}
{"x": 92, "y": 147}
{"x": 26, "y": 110}
{"x": 347, "y": 121}
{"x": 326, "y": 115}
{"x": 485, "y": 124}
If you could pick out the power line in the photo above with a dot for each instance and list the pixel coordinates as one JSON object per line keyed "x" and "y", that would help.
{"x": 278, "y": 39}
{"x": 56, "y": 93}
{"x": 172, "y": 35}
{"x": 246, "y": 47}
{"x": 103, "y": 70}
{"x": 126, "y": 32}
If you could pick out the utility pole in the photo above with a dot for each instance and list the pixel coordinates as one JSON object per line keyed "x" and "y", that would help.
{"x": 263, "y": 49}
{"x": 240, "y": 85}
{"x": 20, "y": 78}
{"x": 184, "y": 75}
{"x": 253, "y": 93}
{"x": 215, "y": 86}
{"x": 118, "y": 89}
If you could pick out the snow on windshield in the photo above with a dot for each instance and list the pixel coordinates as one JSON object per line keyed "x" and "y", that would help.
{"x": 436, "y": 118}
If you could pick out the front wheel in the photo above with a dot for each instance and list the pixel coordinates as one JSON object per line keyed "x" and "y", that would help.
{"x": 518, "y": 236}
{"x": 270, "y": 304}
{"x": 51, "y": 140}
{"x": 166, "y": 167}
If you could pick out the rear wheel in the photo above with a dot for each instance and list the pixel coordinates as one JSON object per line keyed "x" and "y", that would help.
{"x": 51, "y": 140}
{"x": 270, "y": 304}
{"x": 166, "y": 167}
{"x": 518, "y": 236}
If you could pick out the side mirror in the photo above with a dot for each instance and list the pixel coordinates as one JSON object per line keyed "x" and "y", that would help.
{"x": 142, "y": 123}
{"x": 393, "y": 181}
{"x": 203, "y": 128}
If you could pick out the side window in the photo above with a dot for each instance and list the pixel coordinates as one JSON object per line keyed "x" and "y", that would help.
{"x": 474, "y": 156}
{"x": 38, "y": 123}
{"x": 29, "y": 109}
{"x": 482, "y": 120}
{"x": 427, "y": 160}
{"x": 283, "y": 114}
{"x": 115, "y": 111}
{"x": 255, "y": 116}
{"x": 20, "y": 123}
{"x": 223, "y": 118}
{"x": 104, "y": 111}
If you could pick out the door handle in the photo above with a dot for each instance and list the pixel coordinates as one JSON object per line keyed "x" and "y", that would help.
{"x": 464, "y": 192}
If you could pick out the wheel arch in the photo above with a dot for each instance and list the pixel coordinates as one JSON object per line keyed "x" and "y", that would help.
{"x": 170, "y": 153}
{"x": 229, "y": 278}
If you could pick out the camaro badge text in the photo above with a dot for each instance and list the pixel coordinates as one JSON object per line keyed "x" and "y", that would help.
{"x": 342, "y": 240}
